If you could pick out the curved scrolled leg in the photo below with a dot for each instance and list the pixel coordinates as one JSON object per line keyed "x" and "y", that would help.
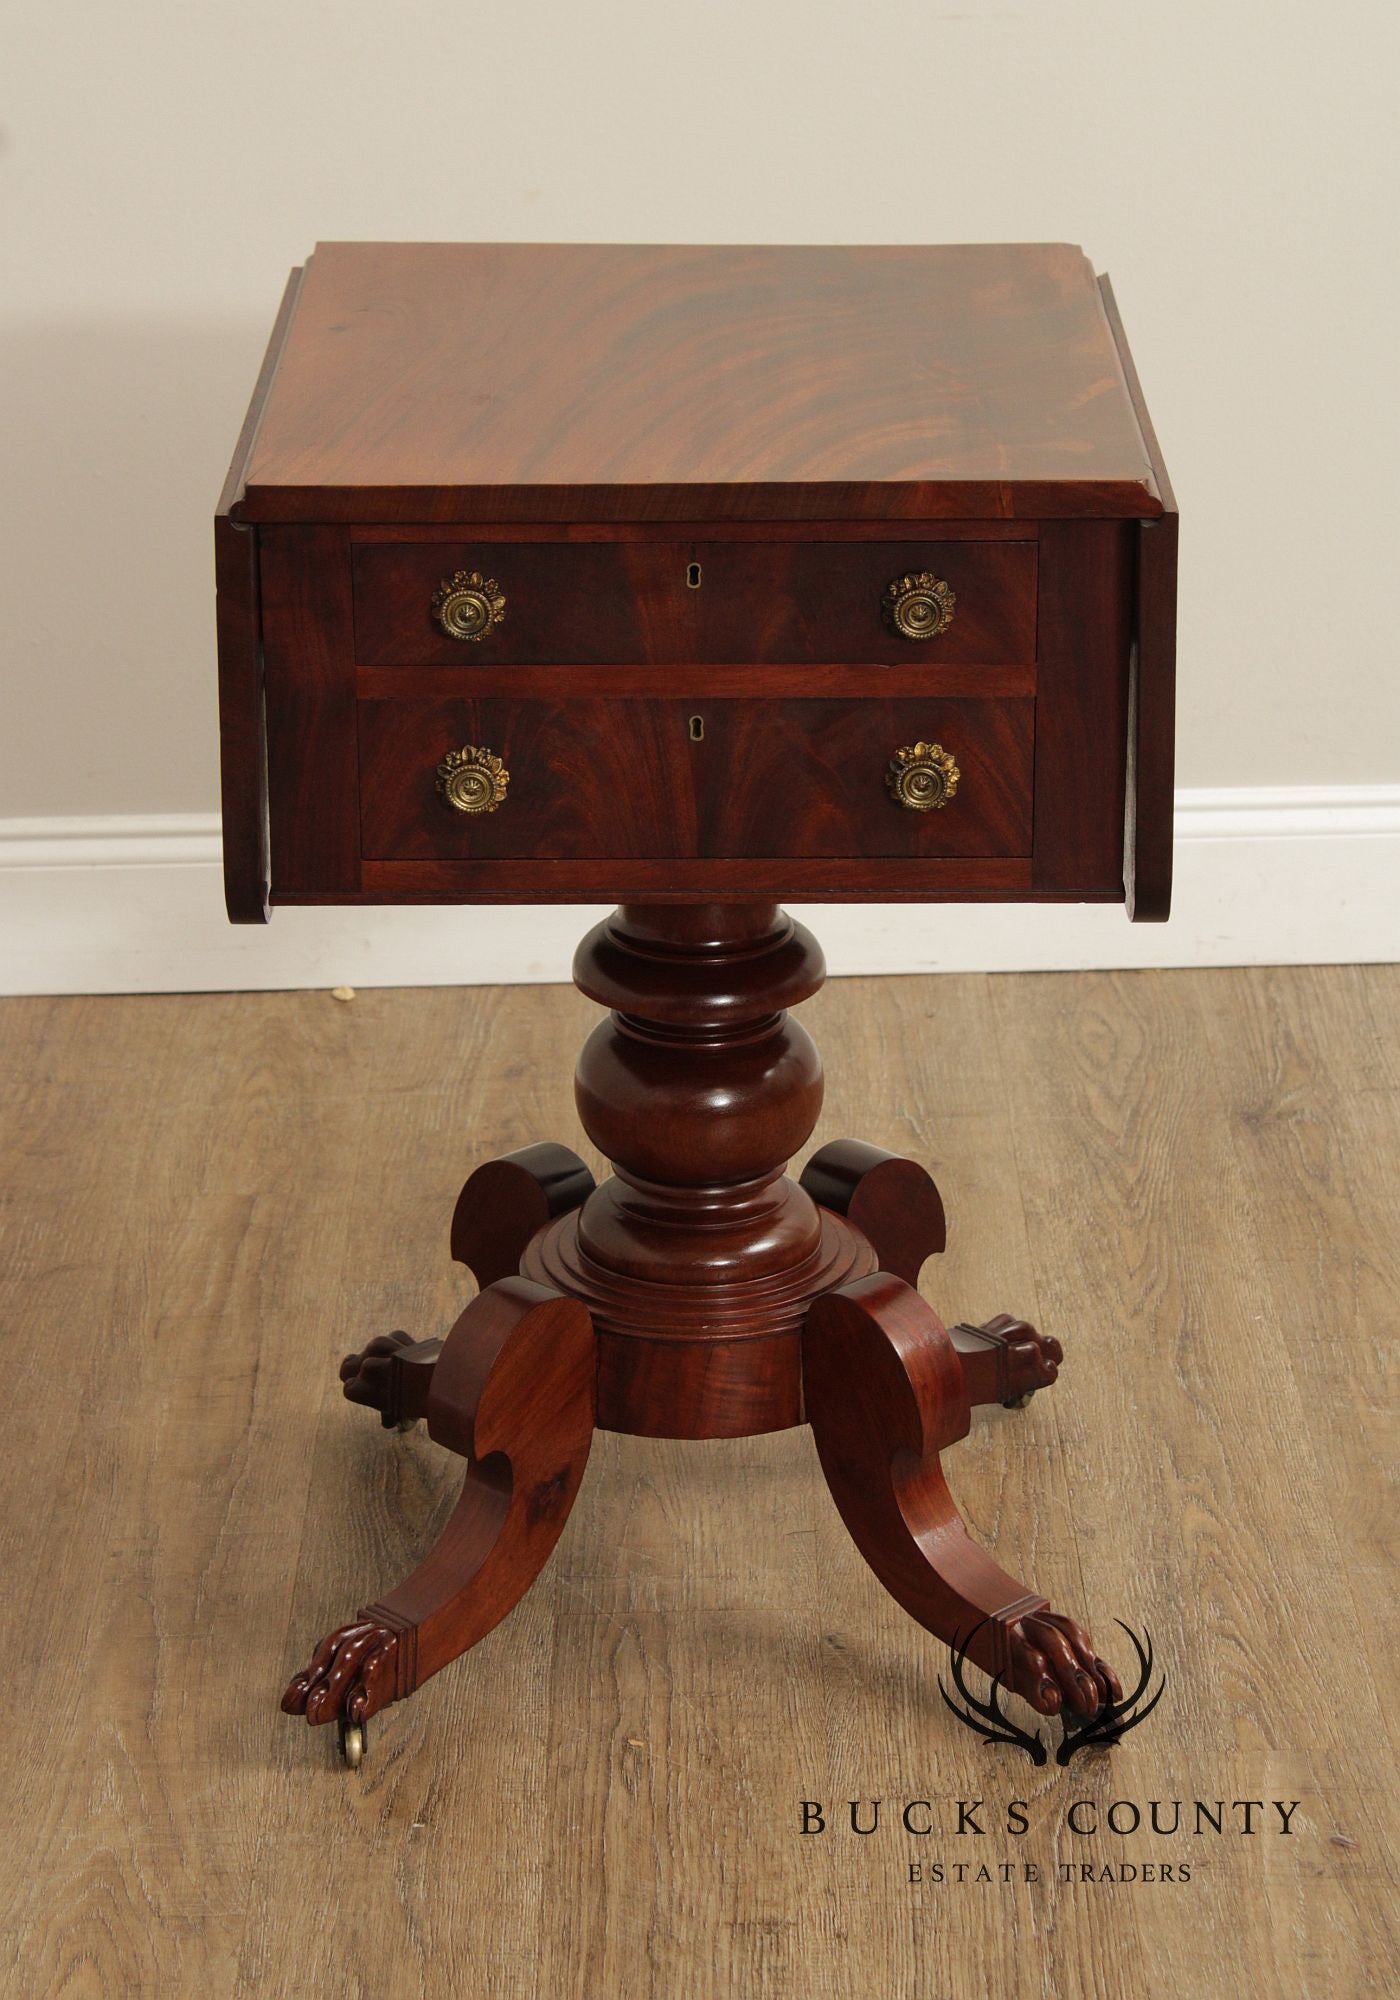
{"x": 892, "y": 1201}
{"x": 512, "y": 1391}
{"x": 505, "y": 1201}
{"x": 885, "y": 1395}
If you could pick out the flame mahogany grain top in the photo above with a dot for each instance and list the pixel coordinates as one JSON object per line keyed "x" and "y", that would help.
{"x": 506, "y": 381}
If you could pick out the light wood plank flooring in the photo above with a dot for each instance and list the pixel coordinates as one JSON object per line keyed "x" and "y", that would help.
{"x": 1192, "y": 1178}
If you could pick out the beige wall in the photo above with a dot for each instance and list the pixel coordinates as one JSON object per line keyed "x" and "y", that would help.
{"x": 164, "y": 164}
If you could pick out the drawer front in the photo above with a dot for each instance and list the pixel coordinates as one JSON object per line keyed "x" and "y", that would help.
{"x": 698, "y": 603}
{"x": 643, "y": 779}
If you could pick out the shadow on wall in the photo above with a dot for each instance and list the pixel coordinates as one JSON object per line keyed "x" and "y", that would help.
{"x": 118, "y": 436}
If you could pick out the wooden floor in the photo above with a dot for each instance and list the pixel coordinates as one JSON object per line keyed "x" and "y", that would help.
{"x": 1192, "y": 1178}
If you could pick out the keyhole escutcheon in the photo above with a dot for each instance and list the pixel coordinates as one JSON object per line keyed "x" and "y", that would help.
{"x": 697, "y": 728}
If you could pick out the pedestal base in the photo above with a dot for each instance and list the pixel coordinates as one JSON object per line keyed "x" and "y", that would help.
{"x": 699, "y": 1292}
{"x": 681, "y": 1364}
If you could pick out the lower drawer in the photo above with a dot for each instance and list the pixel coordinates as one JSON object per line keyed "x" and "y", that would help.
{"x": 639, "y": 779}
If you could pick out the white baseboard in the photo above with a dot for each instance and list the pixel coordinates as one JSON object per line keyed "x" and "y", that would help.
{"x": 1296, "y": 876}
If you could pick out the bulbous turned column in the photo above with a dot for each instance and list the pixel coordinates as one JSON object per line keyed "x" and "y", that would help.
{"x": 699, "y": 1088}
{"x": 699, "y": 1255}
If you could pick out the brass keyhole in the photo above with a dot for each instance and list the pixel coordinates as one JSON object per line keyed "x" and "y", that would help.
{"x": 697, "y": 728}
{"x": 692, "y": 577}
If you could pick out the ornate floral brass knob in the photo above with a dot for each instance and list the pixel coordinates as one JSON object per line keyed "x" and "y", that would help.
{"x": 472, "y": 780}
{"x": 922, "y": 777}
{"x": 468, "y": 605}
{"x": 919, "y": 606}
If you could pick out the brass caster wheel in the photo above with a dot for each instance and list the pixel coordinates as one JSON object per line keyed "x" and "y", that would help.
{"x": 404, "y": 1424}
{"x": 1018, "y": 1402}
{"x": 354, "y": 1741}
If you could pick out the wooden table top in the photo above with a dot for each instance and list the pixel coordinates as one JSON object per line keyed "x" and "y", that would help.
{"x": 423, "y": 382}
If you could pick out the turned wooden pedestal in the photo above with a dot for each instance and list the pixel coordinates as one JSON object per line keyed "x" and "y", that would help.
{"x": 699, "y": 1292}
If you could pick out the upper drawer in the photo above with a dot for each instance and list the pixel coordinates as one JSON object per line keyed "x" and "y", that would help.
{"x": 694, "y": 603}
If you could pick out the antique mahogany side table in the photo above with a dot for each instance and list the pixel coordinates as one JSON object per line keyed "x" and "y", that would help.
{"x": 692, "y": 579}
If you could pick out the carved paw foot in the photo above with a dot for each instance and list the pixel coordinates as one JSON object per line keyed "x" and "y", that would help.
{"x": 1032, "y": 1360}
{"x": 1006, "y": 1360}
{"x": 391, "y": 1375}
{"x": 351, "y": 1675}
{"x": 1053, "y": 1665}
{"x": 368, "y": 1375}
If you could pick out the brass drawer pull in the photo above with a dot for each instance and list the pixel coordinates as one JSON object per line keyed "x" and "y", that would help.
{"x": 919, "y": 606}
{"x": 468, "y": 605}
{"x": 922, "y": 777}
{"x": 472, "y": 780}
